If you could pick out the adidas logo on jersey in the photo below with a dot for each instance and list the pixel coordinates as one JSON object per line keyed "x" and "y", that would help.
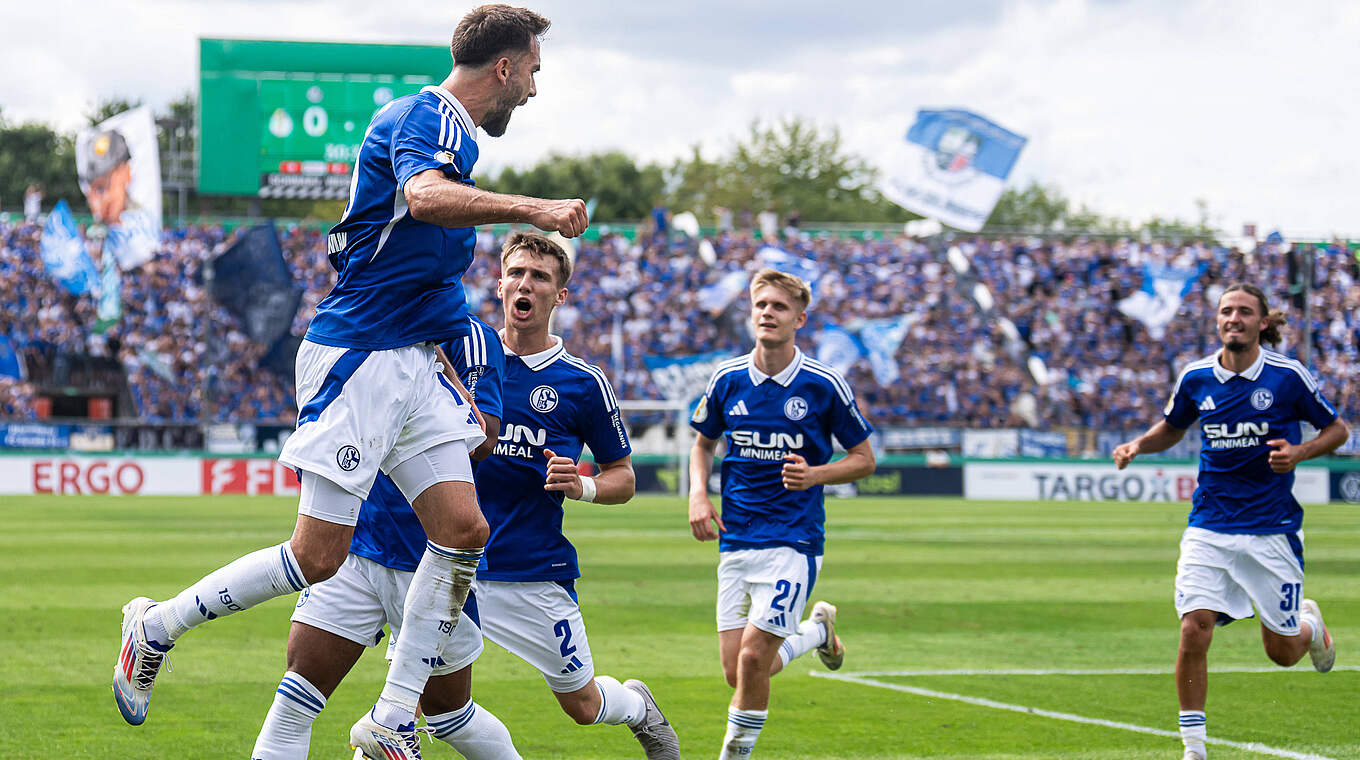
{"x": 1207, "y": 405}
{"x": 738, "y": 409}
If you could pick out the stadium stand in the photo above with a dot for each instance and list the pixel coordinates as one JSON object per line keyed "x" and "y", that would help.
{"x": 186, "y": 359}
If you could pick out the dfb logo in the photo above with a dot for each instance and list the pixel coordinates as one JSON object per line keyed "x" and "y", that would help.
{"x": 347, "y": 457}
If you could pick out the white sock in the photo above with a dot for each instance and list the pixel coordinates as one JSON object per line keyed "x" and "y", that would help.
{"x": 618, "y": 703}
{"x": 433, "y": 603}
{"x": 811, "y": 634}
{"x": 1194, "y": 730}
{"x": 1313, "y": 623}
{"x": 287, "y": 730}
{"x": 743, "y": 728}
{"x": 254, "y": 578}
{"x": 474, "y": 732}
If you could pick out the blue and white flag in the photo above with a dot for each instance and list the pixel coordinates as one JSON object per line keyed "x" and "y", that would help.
{"x": 838, "y": 348}
{"x": 952, "y": 166}
{"x": 1163, "y": 290}
{"x": 63, "y": 252}
{"x": 715, "y": 298}
{"x": 777, "y": 258}
{"x": 11, "y": 364}
{"x": 881, "y": 339}
{"x": 683, "y": 378}
{"x": 110, "y": 306}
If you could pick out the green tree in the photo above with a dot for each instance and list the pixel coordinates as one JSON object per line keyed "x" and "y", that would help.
{"x": 785, "y": 167}
{"x": 35, "y": 153}
{"x": 1180, "y": 229}
{"x": 623, "y": 190}
{"x": 1037, "y": 208}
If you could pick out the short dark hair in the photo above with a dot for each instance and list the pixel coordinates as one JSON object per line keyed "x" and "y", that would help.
{"x": 1274, "y": 319}
{"x": 491, "y": 30}
{"x": 539, "y": 245}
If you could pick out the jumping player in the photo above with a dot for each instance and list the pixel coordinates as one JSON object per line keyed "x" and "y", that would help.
{"x": 369, "y": 397}
{"x": 1243, "y": 546}
{"x": 554, "y": 405}
{"x": 778, "y": 411}
{"x": 337, "y": 618}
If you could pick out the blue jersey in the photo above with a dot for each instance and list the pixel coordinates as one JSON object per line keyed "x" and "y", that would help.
{"x": 764, "y": 418}
{"x": 553, "y": 400}
{"x": 388, "y": 531}
{"x": 1238, "y": 413}
{"x": 400, "y": 280}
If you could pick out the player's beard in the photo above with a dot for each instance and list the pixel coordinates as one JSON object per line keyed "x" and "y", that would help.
{"x": 498, "y": 118}
{"x": 1237, "y": 346}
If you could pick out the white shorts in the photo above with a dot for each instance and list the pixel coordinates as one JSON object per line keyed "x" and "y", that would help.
{"x": 767, "y": 588}
{"x": 355, "y": 603}
{"x": 541, "y": 624}
{"x": 364, "y": 411}
{"x": 1228, "y": 573}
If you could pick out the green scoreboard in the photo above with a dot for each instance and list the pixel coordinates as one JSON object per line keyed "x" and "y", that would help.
{"x": 285, "y": 119}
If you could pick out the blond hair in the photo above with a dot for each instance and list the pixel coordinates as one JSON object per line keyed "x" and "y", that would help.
{"x": 789, "y": 283}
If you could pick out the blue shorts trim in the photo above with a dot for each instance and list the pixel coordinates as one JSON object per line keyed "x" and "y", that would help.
{"x": 343, "y": 369}
{"x": 1296, "y": 545}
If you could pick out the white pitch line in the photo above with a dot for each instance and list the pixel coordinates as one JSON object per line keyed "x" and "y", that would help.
{"x": 981, "y": 702}
{"x": 1070, "y": 672}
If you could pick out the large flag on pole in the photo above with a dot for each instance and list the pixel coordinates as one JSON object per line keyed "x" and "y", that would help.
{"x": 119, "y": 166}
{"x": 716, "y": 297}
{"x": 838, "y": 348}
{"x": 952, "y": 166}
{"x": 1163, "y": 290}
{"x": 881, "y": 339}
{"x": 63, "y": 252}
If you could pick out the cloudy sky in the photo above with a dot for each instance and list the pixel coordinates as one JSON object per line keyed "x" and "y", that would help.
{"x": 1135, "y": 108}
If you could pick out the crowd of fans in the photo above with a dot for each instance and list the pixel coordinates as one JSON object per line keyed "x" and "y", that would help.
{"x": 187, "y": 359}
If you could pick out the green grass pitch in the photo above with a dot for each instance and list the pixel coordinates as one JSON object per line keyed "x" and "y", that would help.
{"x": 922, "y": 585}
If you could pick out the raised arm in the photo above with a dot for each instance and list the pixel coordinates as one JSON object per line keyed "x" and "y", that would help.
{"x": 434, "y": 198}
{"x": 1159, "y": 437}
{"x": 702, "y": 515}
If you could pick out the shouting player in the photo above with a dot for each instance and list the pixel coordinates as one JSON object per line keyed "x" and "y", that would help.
{"x": 369, "y": 396}
{"x": 554, "y": 406}
{"x": 778, "y": 410}
{"x": 1243, "y": 546}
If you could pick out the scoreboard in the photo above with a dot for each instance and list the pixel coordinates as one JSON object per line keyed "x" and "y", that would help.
{"x": 285, "y": 119}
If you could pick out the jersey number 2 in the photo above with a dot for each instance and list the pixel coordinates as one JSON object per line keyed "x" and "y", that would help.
{"x": 783, "y": 587}
{"x": 563, "y": 630}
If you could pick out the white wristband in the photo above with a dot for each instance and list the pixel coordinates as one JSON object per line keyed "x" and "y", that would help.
{"x": 587, "y": 488}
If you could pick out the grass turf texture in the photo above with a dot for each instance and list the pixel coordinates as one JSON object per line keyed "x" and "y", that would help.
{"x": 921, "y": 584}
